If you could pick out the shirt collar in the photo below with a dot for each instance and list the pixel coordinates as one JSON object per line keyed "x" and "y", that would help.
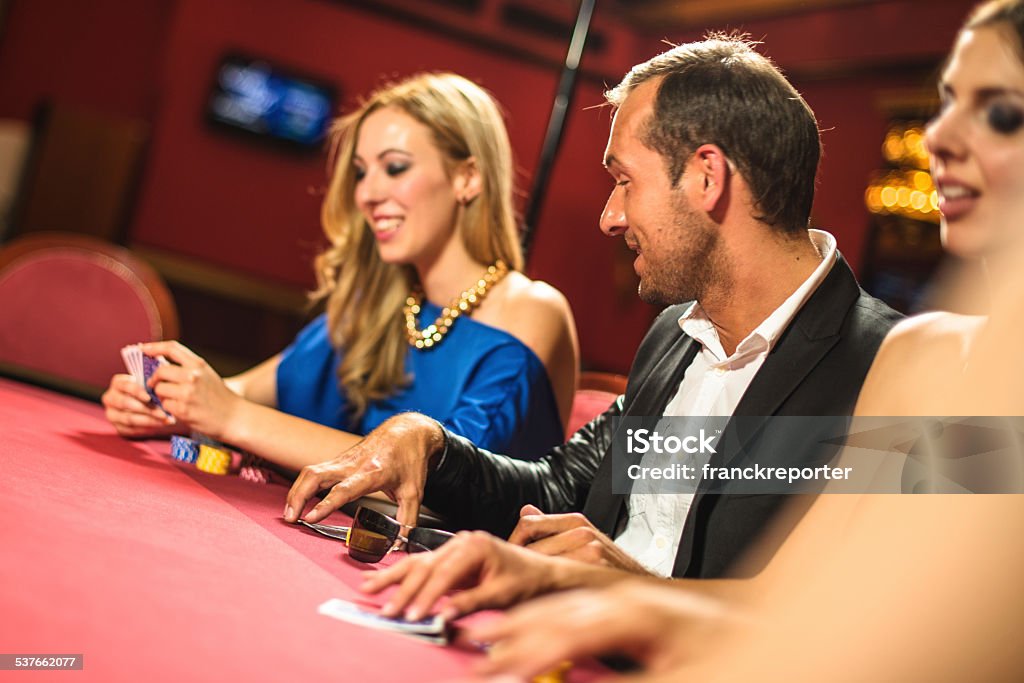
{"x": 695, "y": 323}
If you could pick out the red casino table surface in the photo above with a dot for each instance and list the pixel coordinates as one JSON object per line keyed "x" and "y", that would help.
{"x": 154, "y": 570}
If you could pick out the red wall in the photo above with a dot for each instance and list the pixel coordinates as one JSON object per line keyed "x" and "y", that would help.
{"x": 251, "y": 210}
{"x": 102, "y": 54}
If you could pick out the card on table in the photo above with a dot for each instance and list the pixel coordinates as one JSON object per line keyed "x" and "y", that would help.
{"x": 432, "y": 629}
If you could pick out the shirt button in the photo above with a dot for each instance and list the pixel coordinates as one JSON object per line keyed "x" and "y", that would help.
{"x": 661, "y": 542}
{"x": 719, "y": 371}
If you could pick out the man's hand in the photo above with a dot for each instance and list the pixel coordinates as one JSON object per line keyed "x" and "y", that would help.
{"x": 658, "y": 624}
{"x": 571, "y": 536}
{"x": 393, "y": 458}
{"x": 492, "y": 572}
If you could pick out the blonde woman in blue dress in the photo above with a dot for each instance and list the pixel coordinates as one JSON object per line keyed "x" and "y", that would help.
{"x": 427, "y": 309}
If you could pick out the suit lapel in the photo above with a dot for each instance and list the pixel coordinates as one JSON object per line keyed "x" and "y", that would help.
{"x": 661, "y": 385}
{"x": 811, "y": 334}
{"x": 604, "y": 508}
{"x": 809, "y": 337}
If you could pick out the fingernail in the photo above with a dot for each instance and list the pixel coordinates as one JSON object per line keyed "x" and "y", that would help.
{"x": 289, "y": 514}
{"x": 413, "y": 614}
{"x": 448, "y": 613}
{"x": 388, "y": 610}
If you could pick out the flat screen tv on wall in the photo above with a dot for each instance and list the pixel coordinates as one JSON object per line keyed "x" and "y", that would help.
{"x": 262, "y": 101}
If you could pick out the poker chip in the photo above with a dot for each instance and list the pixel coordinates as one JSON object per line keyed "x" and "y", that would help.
{"x": 184, "y": 449}
{"x": 253, "y": 468}
{"x": 256, "y": 475}
{"x": 213, "y": 460}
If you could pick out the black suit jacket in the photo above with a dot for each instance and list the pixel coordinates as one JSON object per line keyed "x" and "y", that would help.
{"x": 816, "y": 367}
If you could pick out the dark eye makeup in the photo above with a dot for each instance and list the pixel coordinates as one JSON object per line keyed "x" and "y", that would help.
{"x": 1005, "y": 118}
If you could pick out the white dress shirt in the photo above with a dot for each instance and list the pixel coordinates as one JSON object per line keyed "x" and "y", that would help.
{"x": 713, "y": 385}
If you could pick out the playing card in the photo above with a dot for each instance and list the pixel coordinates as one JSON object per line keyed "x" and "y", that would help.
{"x": 128, "y": 353}
{"x": 149, "y": 366}
{"x": 432, "y": 629}
{"x": 141, "y": 366}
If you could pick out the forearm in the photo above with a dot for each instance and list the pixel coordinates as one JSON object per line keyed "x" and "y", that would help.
{"x": 569, "y": 574}
{"x": 258, "y": 384}
{"x": 482, "y": 490}
{"x": 284, "y": 439}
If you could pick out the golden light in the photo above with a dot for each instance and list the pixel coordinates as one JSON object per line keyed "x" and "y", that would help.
{"x": 918, "y": 200}
{"x": 893, "y": 148}
{"x": 903, "y": 197}
{"x": 913, "y": 141}
{"x": 888, "y": 196}
{"x": 873, "y": 198}
{"x": 922, "y": 181}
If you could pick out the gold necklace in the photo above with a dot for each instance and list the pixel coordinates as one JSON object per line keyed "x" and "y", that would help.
{"x": 432, "y": 334}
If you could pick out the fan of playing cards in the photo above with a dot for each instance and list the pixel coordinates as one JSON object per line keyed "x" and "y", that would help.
{"x": 141, "y": 366}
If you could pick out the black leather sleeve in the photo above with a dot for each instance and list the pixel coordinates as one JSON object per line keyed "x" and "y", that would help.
{"x": 477, "y": 489}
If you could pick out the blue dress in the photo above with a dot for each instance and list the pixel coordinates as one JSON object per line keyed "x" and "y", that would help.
{"x": 479, "y": 382}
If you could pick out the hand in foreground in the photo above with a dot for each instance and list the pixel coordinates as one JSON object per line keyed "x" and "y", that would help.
{"x": 571, "y": 536}
{"x": 191, "y": 390}
{"x": 393, "y": 458}
{"x": 493, "y": 572}
{"x": 128, "y": 407}
{"x": 659, "y": 625}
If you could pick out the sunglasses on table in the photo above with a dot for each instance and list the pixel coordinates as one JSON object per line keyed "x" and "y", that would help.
{"x": 373, "y": 534}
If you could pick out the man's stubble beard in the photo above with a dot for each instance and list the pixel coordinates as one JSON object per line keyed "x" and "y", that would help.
{"x": 691, "y": 267}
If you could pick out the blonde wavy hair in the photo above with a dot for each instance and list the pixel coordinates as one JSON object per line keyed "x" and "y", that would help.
{"x": 365, "y": 296}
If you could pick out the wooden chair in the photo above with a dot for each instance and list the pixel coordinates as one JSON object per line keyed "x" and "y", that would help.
{"x": 68, "y": 303}
{"x": 597, "y": 391}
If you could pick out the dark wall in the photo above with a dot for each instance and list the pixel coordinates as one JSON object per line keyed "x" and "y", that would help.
{"x": 250, "y": 210}
{"x": 102, "y": 54}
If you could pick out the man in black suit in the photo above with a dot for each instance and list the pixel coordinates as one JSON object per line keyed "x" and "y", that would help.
{"x": 714, "y": 156}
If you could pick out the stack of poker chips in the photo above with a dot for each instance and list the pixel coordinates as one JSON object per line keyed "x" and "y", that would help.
{"x": 213, "y": 460}
{"x": 184, "y": 449}
{"x": 214, "y": 457}
{"x": 254, "y": 469}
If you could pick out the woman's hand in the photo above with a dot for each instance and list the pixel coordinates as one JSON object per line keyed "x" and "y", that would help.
{"x": 661, "y": 626}
{"x": 130, "y": 410}
{"x": 192, "y": 391}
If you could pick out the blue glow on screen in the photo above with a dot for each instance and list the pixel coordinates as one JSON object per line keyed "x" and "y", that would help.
{"x": 252, "y": 96}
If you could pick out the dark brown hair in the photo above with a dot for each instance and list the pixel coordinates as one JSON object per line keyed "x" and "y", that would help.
{"x": 721, "y": 91}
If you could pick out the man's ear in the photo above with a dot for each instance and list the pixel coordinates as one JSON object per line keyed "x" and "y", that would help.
{"x": 711, "y": 167}
{"x": 467, "y": 181}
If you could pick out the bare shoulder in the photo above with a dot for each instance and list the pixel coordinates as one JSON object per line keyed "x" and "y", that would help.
{"x": 933, "y": 334}
{"x": 539, "y": 316}
{"x": 916, "y": 364}
{"x": 532, "y": 311}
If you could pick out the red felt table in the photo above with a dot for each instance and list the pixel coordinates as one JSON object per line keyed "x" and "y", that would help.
{"x": 156, "y": 571}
